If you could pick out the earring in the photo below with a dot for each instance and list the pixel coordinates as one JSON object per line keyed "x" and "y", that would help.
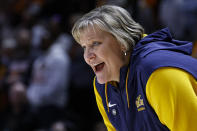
{"x": 125, "y": 53}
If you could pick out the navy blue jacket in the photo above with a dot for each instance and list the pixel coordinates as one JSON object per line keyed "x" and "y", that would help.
{"x": 152, "y": 52}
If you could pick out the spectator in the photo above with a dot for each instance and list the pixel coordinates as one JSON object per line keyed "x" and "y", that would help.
{"x": 18, "y": 116}
{"x": 47, "y": 92}
{"x": 181, "y": 17}
{"x": 59, "y": 126}
{"x": 20, "y": 66}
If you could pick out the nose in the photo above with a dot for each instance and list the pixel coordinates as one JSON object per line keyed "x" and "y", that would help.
{"x": 89, "y": 55}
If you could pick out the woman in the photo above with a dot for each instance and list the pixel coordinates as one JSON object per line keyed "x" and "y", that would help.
{"x": 142, "y": 83}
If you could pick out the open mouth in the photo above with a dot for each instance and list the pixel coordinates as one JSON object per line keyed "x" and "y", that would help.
{"x": 99, "y": 67}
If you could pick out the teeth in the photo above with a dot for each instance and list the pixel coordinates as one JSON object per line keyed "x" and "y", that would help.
{"x": 96, "y": 64}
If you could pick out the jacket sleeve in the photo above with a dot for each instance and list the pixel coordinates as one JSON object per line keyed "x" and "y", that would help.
{"x": 172, "y": 94}
{"x": 102, "y": 110}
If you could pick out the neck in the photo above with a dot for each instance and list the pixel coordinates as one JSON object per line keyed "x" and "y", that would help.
{"x": 126, "y": 63}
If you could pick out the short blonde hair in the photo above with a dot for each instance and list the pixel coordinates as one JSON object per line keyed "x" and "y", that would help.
{"x": 113, "y": 19}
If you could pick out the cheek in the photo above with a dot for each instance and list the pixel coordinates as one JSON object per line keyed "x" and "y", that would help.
{"x": 103, "y": 53}
{"x": 115, "y": 60}
{"x": 85, "y": 59}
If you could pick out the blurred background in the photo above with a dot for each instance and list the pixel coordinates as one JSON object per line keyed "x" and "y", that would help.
{"x": 45, "y": 84}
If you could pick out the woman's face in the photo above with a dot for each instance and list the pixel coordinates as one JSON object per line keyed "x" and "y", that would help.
{"x": 103, "y": 53}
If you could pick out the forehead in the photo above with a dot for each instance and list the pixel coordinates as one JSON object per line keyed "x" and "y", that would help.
{"x": 90, "y": 33}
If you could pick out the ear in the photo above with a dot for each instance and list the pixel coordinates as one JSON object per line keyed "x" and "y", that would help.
{"x": 123, "y": 48}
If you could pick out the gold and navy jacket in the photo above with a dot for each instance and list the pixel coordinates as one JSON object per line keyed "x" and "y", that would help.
{"x": 125, "y": 107}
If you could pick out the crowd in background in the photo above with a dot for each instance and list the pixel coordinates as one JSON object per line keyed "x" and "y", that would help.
{"x": 45, "y": 84}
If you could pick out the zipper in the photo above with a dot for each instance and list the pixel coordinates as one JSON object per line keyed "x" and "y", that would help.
{"x": 121, "y": 92}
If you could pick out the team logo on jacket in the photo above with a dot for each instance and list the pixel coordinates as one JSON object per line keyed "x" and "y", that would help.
{"x": 139, "y": 103}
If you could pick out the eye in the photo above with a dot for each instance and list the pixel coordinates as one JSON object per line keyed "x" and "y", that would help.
{"x": 96, "y": 43}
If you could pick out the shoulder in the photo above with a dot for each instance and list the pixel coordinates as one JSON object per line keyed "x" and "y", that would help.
{"x": 164, "y": 58}
{"x": 171, "y": 92}
{"x": 168, "y": 81}
{"x": 168, "y": 74}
